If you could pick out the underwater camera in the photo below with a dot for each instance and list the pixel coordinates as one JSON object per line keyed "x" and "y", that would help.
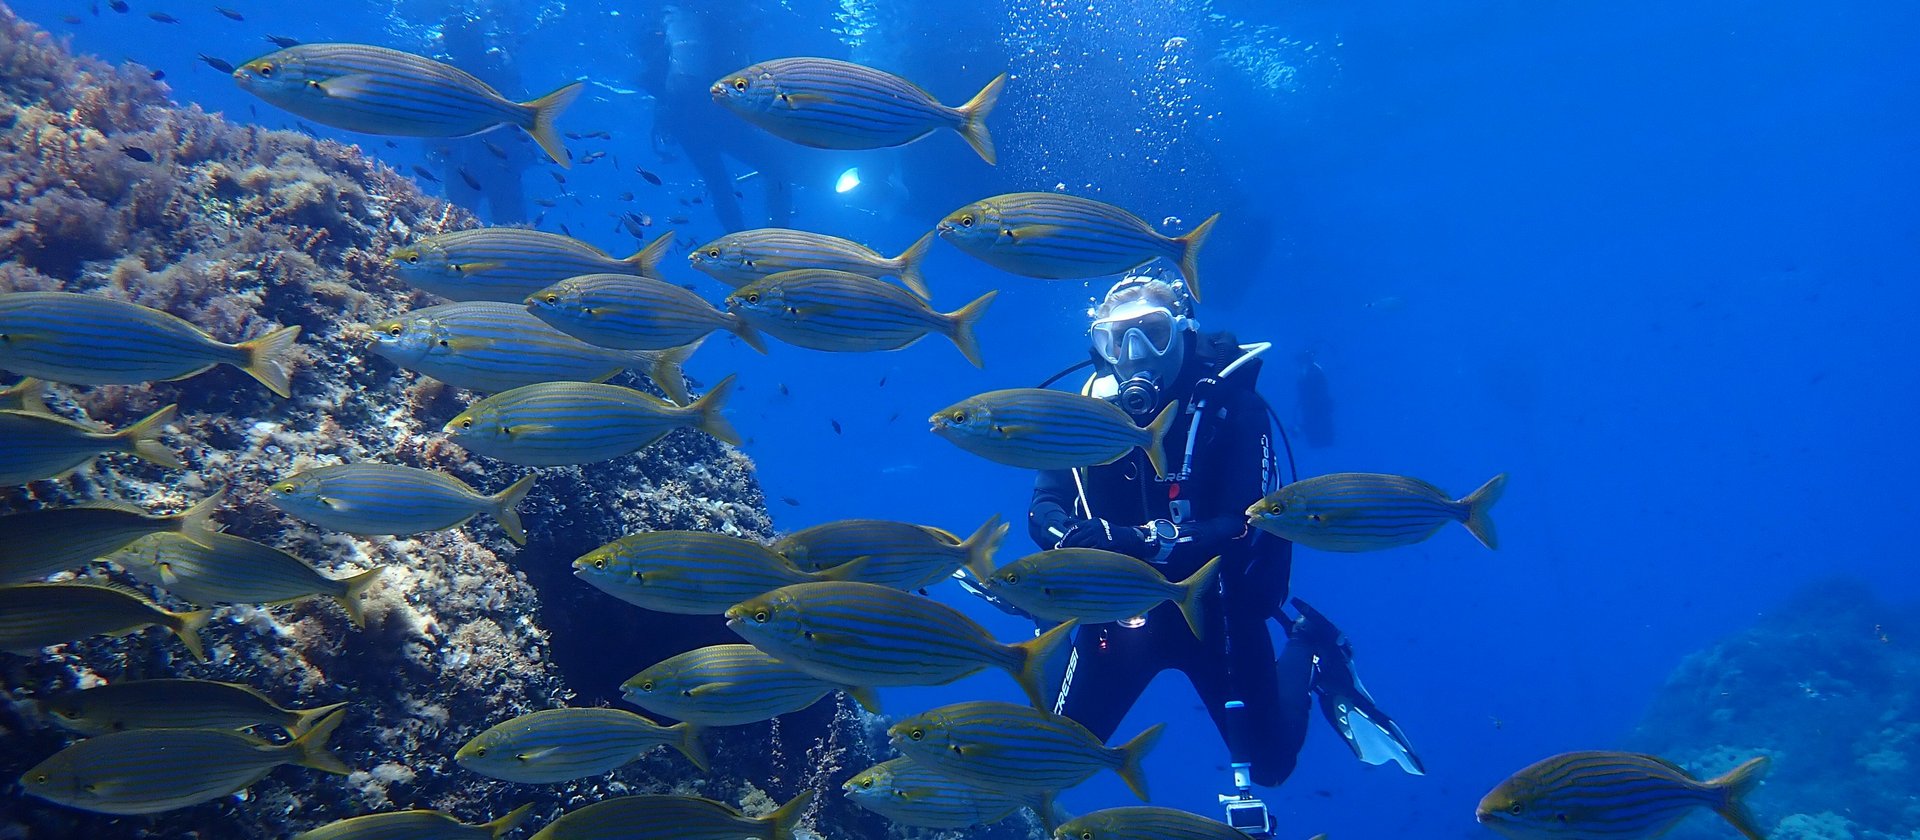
{"x": 1244, "y": 812}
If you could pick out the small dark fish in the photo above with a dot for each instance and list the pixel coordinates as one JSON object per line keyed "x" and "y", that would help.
{"x": 573, "y": 135}
{"x": 117, "y": 5}
{"x": 163, "y": 17}
{"x": 537, "y": 220}
{"x": 599, "y": 135}
{"x": 73, "y": 20}
{"x": 546, "y": 202}
{"x": 308, "y": 130}
{"x": 157, "y": 75}
{"x": 471, "y": 181}
{"x": 563, "y": 229}
{"x": 557, "y": 176}
{"x": 836, "y": 426}
{"x": 424, "y": 174}
{"x": 677, "y": 220}
{"x": 783, "y": 389}
{"x": 626, "y": 196}
{"x": 651, "y": 178}
{"x": 883, "y": 382}
{"x": 791, "y": 501}
{"x": 392, "y": 145}
{"x": 137, "y": 153}
{"x": 591, "y": 157}
{"x": 739, "y": 194}
{"x": 684, "y": 202}
{"x": 496, "y": 150}
{"x": 229, "y": 14}
{"x": 894, "y": 416}
{"x": 633, "y": 227}
{"x": 696, "y": 200}
{"x": 217, "y": 63}
{"x": 280, "y": 41}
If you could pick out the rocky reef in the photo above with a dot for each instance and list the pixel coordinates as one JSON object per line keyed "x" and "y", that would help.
{"x": 1829, "y": 686}
{"x": 109, "y": 188}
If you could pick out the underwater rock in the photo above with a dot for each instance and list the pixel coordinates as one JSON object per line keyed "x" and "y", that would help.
{"x": 1826, "y": 686}
{"x": 238, "y": 228}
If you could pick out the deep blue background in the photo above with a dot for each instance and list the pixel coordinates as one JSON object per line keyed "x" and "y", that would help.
{"x": 1657, "y": 261}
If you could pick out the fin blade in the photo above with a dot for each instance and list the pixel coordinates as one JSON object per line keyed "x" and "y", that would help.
{"x": 1480, "y": 510}
{"x": 540, "y": 121}
{"x": 1190, "y": 254}
{"x": 973, "y": 116}
{"x": 961, "y": 324}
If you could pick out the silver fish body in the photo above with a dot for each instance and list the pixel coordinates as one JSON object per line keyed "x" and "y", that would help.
{"x": 633, "y": 313}
{"x": 896, "y": 554}
{"x": 40, "y": 542}
{"x": 492, "y": 347}
{"x": 390, "y": 499}
{"x": 729, "y": 685}
{"x": 904, "y": 791}
{"x": 830, "y": 104}
{"x": 561, "y": 423}
{"x": 1010, "y": 747}
{"x": 843, "y": 312}
{"x": 687, "y": 572}
{"x": 1043, "y": 429}
{"x": 505, "y": 264}
{"x": 218, "y": 568}
{"x": 1097, "y": 586}
{"x": 1146, "y": 822}
{"x": 1372, "y": 511}
{"x": 91, "y": 340}
{"x": 35, "y": 446}
{"x": 743, "y": 257}
{"x": 670, "y": 817}
{"x": 1053, "y": 236}
{"x": 176, "y": 704}
{"x": 36, "y": 615}
{"x": 1606, "y": 795}
{"x": 416, "y": 825}
{"x": 558, "y": 745}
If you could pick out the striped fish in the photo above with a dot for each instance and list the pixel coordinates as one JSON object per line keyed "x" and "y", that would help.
{"x": 36, "y": 615}
{"x": 1096, "y": 586}
{"x": 863, "y": 634}
{"x": 416, "y": 825}
{"x": 390, "y": 499}
{"x": 897, "y": 554}
{"x": 741, "y": 258}
{"x": 146, "y": 771}
{"x": 907, "y": 793}
{"x": 492, "y": 347}
{"x": 730, "y": 685}
{"x": 1145, "y": 822}
{"x": 1010, "y": 747}
{"x": 218, "y": 568}
{"x": 558, "y": 745}
{"x": 1614, "y": 796}
{"x": 1042, "y": 429}
{"x": 41, "y": 542}
{"x": 671, "y": 817}
{"x": 690, "y": 572}
{"x": 829, "y": 104}
{"x": 1053, "y": 236}
{"x": 376, "y": 90}
{"x": 28, "y": 394}
{"x": 176, "y": 704}
{"x": 506, "y": 264}
{"x": 848, "y": 313}
{"x": 35, "y": 446}
{"x": 559, "y": 423}
{"x": 92, "y": 340}
{"x": 1372, "y": 511}
{"x": 633, "y": 313}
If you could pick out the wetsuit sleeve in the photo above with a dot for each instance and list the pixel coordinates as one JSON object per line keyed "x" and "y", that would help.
{"x": 1054, "y": 501}
{"x": 1244, "y": 469}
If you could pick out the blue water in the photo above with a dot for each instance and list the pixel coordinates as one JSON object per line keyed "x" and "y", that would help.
{"x": 1657, "y": 261}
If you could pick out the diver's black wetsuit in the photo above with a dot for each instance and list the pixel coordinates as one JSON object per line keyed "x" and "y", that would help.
{"x": 1233, "y": 465}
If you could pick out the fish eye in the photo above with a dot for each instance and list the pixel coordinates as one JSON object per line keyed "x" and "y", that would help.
{"x": 479, "y": 752}
{"x": 40, "y": 778}
{"x": 1011, "y": 577}
{"x": 739, "y": 83}
{"x": 647, "y": 686}
{"x": 466, "y": 424}
{"x": 713, "y": 253}
{"x": 1516, "y": 809}
{"x": 917, "y": 734}
{"x": 413, "y": 259}
{"x": 753, "y": 298}
{"x": 959, "y": 417}
{"x": 600, "y": 562}
{"x": 552, "y": 298}
{"x": 266, "y": 71}
{"x": 283, "y": 487}
{"x": 396, "y": 329}
{"x": 1086, "y": 835}
{"x": 866, "y": 783}
{"x": 966, "y": 220}
{"x": 760, "y": 617}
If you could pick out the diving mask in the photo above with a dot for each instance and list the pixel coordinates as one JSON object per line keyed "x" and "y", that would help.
{"x": 1136, "y": 331}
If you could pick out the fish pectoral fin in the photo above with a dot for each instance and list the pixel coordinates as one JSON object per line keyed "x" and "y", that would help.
{"x": 1011, "y": 430}
{"x": 709, "y": 688}
{"x": 167, "y": 577}
{"x": 1015, "y": 234}
{"x": 535, "y": 754}
{"x": 351, "y": 84}
{"x": 465, "y": 269}
{"x": 331, "y": 503}
{"x": 799, "y": 100}
{"x": 461, "y": 345}
{"x": 915, "y": 794}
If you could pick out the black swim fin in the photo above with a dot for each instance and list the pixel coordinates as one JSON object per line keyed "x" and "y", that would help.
{"x": 1368, "y": 730}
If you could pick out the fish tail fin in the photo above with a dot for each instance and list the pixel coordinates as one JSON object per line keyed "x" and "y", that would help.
{"x": 1190, "y": 254}
{"x": 540, "y": 116}
{"x": 1480, "y": 510}
{"x": 142, "y": 438}
{"x": 1131, "y": 754}
{"x": 505, "y": 509}
{"x": 666, "y": 374}
{"x": 961, "y": 323}
{"x": 1193, "y": 596}
{"x": 310, "y": 749}
{"x": 1035, "y": 653}
{"x": 907, "y": 266}
{"x": 1736, "y": 784}
{"x": 787, "y": 817}
{"x": 305, "y": 719}
{"x": 33, "y": 395}
{"x": 187, "y": 626}
{"x": 1156, "y": 444}
{"x": 686, "y": 739}
{"x": 197, "y": 521}
{"x": 973, "y": 115}
{"x": 647, "y": 260}
{"x": 746, "y": 333}
{"x": 868, "y": 698}
{"x": 708, "y": 408}
{"x": 355, "y": 587}
{"x": 269, "y": 359}
{"x": 502, "y": 826}
{"x": 983, "y": 544}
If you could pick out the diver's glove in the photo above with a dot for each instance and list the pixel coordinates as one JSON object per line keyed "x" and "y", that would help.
{"x": 1099, "y": 533}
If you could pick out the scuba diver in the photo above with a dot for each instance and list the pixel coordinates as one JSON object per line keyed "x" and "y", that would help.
{"x": 485, "y": 169}
{"x": 1148, "y": 351}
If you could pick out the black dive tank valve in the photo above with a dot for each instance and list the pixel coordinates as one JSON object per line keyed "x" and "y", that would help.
{"x": 1244, "y": 812}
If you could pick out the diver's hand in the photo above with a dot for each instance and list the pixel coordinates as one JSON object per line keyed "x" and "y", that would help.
{"x": 1101, "y": 534}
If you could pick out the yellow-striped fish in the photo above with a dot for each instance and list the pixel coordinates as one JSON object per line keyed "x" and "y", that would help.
{"x": 558, "y": 745}
{"x": 506, "y": 264}
{"x": 416, "y": 825}
{"x": 176, "y": 704}
{"x": 671, "y": 817}
{"x": 492, "y": 347}
{"x": 896, "y": 554}
{"x": 41, "y": 542}
{"x": 831, "y": 104}
{"x": 1372, "y": 511}
{"x": 218, "y": 568}
{"x": 864, "y": 634}
{"x": 1145, "y": 822}
{"x": 741, "y": 258}
{"x": 730, "y": 685}
{"x": 849, "y": 313}
{"x": 376, "y": 90}
{"x": 35, "y": 446}
{"x": 145, "y": 771}
{"x": 907, "y": 793}
{"x": 92, "y": 340}
{"x": 1043, "y": 429}
{"x": 634, "y": 313}
{"x": 1614, "y": 796}
{"x": 36, "y": 615}
{"x": 1096, "y": 586}
{"x": 395, "y": 500}
{"x": 1011, "y": 747}
{"x": 559, "y": 423}
{"x": 1053, "y": 236}
{"x": 691, "y": 572}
